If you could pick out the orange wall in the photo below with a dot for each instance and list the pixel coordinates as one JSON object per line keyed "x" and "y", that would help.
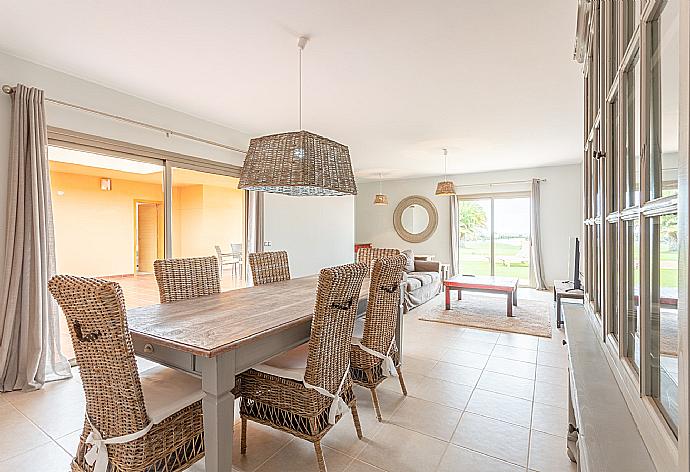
{"x": 95, "y": 229}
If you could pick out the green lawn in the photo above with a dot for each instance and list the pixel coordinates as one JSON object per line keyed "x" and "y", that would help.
{"x": 475, "y": 258}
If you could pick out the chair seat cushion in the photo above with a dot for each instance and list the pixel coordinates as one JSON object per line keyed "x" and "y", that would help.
{"x": 416, "y": 280}
{"x": 167, "y": 391}
{"x": 288, "y": 365}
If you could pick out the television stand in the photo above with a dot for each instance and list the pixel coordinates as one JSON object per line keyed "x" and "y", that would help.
{"x": 564, "y": 289}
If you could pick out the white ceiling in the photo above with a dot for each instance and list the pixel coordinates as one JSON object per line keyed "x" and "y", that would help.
{"x": 396, "y": 80}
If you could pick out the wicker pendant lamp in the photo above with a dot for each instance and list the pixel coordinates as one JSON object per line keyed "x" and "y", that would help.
{"x": 445, "y": 187}
{"x": 298, "y": 163}
{"x": 381, "y": 198}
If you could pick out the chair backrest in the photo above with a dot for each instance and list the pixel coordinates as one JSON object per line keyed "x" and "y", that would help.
{"x": 269, "y": 267}
{"x": 182, "y": 279}
{"x": 331, "y": 327}
{"x": 96, "y": 316}
{"x": 219, "y": 253}
{"x": 368, "y": 255}
{"x": 236, "y": 250}
{"x": 383, "y": 304}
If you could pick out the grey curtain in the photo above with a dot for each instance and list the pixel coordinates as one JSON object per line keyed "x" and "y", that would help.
{"x": 30, "y": 351}
{"x": 454, "y": 236}
{"x": 255, "y": 226}
{"x": 535, "y": 253}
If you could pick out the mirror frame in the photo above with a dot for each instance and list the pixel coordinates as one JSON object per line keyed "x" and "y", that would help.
{"x": 430, "y": 229}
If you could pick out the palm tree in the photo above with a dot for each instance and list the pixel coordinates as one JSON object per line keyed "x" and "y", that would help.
{"x": 472, "y": 219}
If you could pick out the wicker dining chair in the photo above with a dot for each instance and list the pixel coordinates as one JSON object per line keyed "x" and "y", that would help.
{"x": 182, "y": 279}
{"x": 269, "y": 267}
{"x": 306, "y": 391}
{"x": 133, "y": 423}
{"x": 374, "y": 352}
{"x": 368, "y": 255}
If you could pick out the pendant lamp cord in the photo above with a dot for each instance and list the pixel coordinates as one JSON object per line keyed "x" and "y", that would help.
{"x": 380, "y": 183}
{"x": 445, "y": 164}
{"x": 300, "y": 86}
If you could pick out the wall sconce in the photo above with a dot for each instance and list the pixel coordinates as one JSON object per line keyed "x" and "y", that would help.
{"x": 106, "y": 185}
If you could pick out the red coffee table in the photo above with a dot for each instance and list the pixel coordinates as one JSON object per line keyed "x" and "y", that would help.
{"x": 483, "y": 283}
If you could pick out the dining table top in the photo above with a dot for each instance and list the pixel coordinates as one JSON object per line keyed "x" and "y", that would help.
{"x": 211, "y": 325}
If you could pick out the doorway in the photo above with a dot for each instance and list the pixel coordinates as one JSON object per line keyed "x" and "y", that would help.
{"x": 495, "y": 236}
{"x": 149, "y": 236}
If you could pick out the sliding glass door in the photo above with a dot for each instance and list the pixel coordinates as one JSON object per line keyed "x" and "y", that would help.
{"x": 495, "y": 236}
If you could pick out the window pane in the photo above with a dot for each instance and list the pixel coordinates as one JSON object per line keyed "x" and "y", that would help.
{"x": 632, "y": 18}
{"x": 108, "y": 218}
{"x": 612, "y": 157}
{"x": 632, "y": 135}
{"x": 664, "y": 102}
{"x": 208, "y": 220}
{"x": 475, "y": 236}
{"x": 664, "y": 314}
{"x": 613, "y": 39}
{"x": 613, "y": 316}
{"x": 632, "y": 320}
{"x": 512, "y": 238}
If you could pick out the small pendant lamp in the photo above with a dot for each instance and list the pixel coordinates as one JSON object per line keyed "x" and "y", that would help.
{"x": 446, "y": 187}
{"x": 381, "y": 198}
{"x": 298, "y": 162}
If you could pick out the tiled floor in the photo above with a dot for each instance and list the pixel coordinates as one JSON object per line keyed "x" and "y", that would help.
{"x": 478, "y": 402}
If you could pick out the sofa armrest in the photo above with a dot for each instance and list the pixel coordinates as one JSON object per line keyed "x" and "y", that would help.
{"x": 427, "y": 266}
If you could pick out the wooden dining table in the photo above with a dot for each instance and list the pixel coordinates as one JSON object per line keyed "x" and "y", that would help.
{"x": 219, "y": 336}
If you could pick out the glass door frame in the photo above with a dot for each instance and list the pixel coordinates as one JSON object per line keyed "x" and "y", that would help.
{"x": 502, "y": 196}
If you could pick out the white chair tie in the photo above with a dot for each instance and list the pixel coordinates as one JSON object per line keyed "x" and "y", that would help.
{"x": 338, "y": 406}
{"x": 388, "y": 365}
{"x": 98, "y": 453}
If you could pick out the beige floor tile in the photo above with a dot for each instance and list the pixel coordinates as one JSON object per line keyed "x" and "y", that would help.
{"x": 480, "y": 335}
{"x": 466, "y": 358}
{"x": 549, "y": 419}
{"x": 262, "y": 443}
{"x": 511, "y": 367}
{"x": 445, "y": 393}
{"x": 417, "y": 365}
{"x": 501, "y": 407}
{"x": 299, "y": 456}
{"x": 46, "y": 458}
{"x": 515, "y": 353}
{"x": 552, "y": 375}
{"x": 425, "y": 351}
{"x": 478, "y": 347}
{"x": 58, "y": 408}
{"x": 428, "y": 418}
{"x": 522, "y": 341}
{"x": 507, "y": 385}
{"x": 397, "y": 449}
{"x": 460, "y": 459}
{"x": 551, "y": 394}
{"x": 343, "y": 436}
{"x": 18, "y": 433}
{"x": 455, "y": 373}
{"x": 493, "y": 437}
{"x": 553, "y": 344}
{"x": 553, "y": 359}
{"x": 358, "y": 466}
{"x": 547, "y": 453}
{"x": 413, "y": 383}
{"x": 70, "y": 442}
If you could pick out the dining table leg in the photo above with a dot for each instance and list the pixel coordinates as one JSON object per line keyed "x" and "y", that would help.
{"x": 217, "y": 382}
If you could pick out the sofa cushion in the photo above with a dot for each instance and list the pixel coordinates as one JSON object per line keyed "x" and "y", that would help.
{"x": 416, "y": 280}
{"x": 409, "y": 260}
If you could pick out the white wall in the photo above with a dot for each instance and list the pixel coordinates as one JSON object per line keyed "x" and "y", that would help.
{"x": 316, "y": 232}
{"x": 561, "y": 211}
{"x": 312, "y": 243}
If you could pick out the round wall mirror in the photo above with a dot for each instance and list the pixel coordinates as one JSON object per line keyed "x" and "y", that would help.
{"x": 415, "y": 219}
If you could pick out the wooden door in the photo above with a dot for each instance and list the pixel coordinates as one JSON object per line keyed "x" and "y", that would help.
{"x": 147, "y": 236}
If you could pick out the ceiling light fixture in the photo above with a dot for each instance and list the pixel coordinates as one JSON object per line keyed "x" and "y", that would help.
{"x": 445, "y": 187}
{"x": 298, "y": 163}
{"x": 381, "y": 198}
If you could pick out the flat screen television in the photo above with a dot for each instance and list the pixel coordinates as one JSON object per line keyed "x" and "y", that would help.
{"x": 575, "y": 254}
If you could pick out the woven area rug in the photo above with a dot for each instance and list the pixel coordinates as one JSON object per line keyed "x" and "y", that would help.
{"x": 488, "y": 311}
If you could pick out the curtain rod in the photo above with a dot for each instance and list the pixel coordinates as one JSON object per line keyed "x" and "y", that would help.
{"x": 502, "y": 183}
{"x": 8, "y": 89}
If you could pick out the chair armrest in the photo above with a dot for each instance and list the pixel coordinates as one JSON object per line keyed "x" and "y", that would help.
{"x": 427, "y": 266}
